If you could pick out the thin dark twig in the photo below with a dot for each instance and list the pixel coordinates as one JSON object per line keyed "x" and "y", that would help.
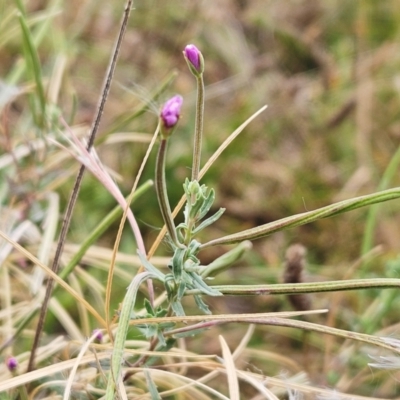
{"x": 75, "y": 190}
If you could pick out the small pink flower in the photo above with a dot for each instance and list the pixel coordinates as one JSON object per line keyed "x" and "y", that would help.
{"x": 171, "y": 112}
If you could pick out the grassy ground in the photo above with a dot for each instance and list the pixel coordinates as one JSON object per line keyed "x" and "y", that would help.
{"x": 328, "y": 72}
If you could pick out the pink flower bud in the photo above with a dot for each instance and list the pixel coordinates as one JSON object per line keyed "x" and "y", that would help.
{"x": 12, "y": 363}
{"x": 99, "y": 335}
{"x": 171, "y": 112}
{"x": 194, "y": 58}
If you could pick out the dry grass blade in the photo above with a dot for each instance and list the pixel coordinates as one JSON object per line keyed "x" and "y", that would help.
{"x": 50, "y": 370}
{"x": 284, "y": 384}
{"x": 56, "y": 278}
{"x": 183, "y": 383}
{"x": 50, "y": 224}
{"x": 248, "y": 317}
{"x": 267, "y": 394}
{"x": 77, "y": 364}
{"x": 121, "y": 226}
{"x": 230, "y": 369}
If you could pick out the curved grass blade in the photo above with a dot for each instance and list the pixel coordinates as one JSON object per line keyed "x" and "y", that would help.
{"x": 299, "y": 288}
{"x": 307, "y": 217}
{"x": 122, "y": 331}
{"x": 34, "y": 68}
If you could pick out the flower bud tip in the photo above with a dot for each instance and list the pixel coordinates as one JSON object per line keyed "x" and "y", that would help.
{"x": 194, "y": 58}
{"x": 12, "y": 363}
{"x": 99, "y": 335}
{"x": 171, "y": 112}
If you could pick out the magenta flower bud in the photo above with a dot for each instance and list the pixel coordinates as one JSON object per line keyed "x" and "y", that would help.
{"x": 170, "y": 114}
{"x": 12, "y": 363}
{"x": 194, "y": 58}
{"x": 99, "y": 335}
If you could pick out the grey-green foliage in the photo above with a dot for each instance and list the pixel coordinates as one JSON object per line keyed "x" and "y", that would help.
{"x": 184, "y": 265}
{"x": 151, "y": 330}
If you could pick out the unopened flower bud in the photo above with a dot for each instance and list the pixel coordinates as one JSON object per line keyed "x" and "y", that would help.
{"x": 194, "y": 59}
{"x": 170, "y": 114}
{"x": 12, "y": 363}
{"x": 99, "y": 335}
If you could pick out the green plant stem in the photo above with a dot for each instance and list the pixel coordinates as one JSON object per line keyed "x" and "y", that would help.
{"x": 198, "y": 132}
{"x": 307, "y": 217}
{"x": 298, "y": 288}
{"x": 161, "y": 189}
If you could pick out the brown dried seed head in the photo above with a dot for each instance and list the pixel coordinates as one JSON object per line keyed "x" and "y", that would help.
{"x": 295, "y": 262}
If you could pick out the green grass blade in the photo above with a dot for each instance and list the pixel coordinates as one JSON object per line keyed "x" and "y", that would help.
{"x": 151, "y": 386}
{"x": 44, "y": 23}
{"x": 309, "y": 326}
{"x": 122, "y": 331}
{"x": 307, "y": 217}
{"x": 100, "y": 229}
{"x": 388, "y": 175}
{"x": 34, "y": 68}
{"x": 298, "y": 288}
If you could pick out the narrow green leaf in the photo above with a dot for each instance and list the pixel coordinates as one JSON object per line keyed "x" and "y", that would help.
{"x": 177, "y": 308}
{"x": 148, "y": 307}
{"x": 201, "y": 285}
{"x": 34, "y": 67}
{"x": 207, "y": 204}
{"x": 226, "y": 260}
{"x": 122, "y": 331}
{"x": 177, "y": 263}
{"x": 200, "y": 303}
{"x": 307, "y": 217}
{"x": 151, "y": 386}
{"x": 209, "y": 221}
{"x": 299, "y": 288}
{"x": 150, "y": 267}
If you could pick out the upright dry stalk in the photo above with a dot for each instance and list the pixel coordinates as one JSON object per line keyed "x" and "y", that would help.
{"x": 77, "y": 185}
